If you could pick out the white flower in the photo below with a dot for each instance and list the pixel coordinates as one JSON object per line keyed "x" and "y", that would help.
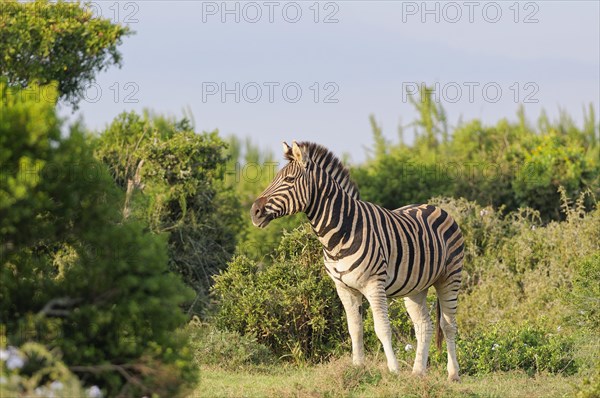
{"x": 15, "y": 362}
{"x": 4, "y": 354}
{"x": 56, "y": 385}
{"x": 558, "y": 328}
{"x": 483, "y": 212}
{"x": 495, "y": 346}
{"x": 94, "y": 392}
{"x": 533, "y": 227}
{"x": 408, "y": 348}
{"x": 44, "y": 392}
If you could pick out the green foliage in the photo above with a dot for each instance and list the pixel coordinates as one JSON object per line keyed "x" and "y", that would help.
{"x": 504, "y": 347}
{"x": 416, "y": 179}
{"x": 76, "y": 277}
{"x": 172, "y": 179}
{"x": 431, "y": 124}
{"x": 45, "y": 41}
{"x": 227, "y": 350}
{"x": 523, "y": 275}
{"x": 34, "y": 127}
{"x": 554, "y": 161}
{"x": 590, "y": 387}
{"x": 507, "y": 164}
{"x": 585, "y": 295}
{"x": 289, "y": 305}
{"x": 516, "y": 268}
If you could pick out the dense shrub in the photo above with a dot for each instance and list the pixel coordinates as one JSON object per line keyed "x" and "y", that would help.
{"x": 289, "y": 305}
{"x": 172, "y": 181}
{"x": 509, "y": 164}
{"x": 516, "y": 268}
{"x": 505, "y": 346}
{"x": 585, "y": 296}
{"x": 76, "y": 277}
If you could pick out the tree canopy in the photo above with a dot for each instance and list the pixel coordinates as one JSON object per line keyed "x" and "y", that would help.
{"x": 172, "y": 180}
{"x": 76, "y": 276}
{"x": 63, "y": 42}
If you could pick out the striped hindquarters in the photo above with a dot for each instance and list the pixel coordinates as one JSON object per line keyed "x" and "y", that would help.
{"x": 428, "y": 248}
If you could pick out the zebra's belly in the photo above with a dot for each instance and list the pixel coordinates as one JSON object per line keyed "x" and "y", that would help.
{"x": 405, "y": 279}
{"x": 402, "y": 272}
{"x": 346, "y": 272}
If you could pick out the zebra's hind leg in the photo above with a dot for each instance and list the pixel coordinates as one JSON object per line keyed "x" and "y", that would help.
{"x": 447, "y": 296}
{"x": 416, "y": 305}
{"x": 378, "y": 301}
{"x": 352, "y": 301}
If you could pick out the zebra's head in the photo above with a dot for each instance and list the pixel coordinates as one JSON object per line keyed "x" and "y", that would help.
{"x": 289, "y": 192}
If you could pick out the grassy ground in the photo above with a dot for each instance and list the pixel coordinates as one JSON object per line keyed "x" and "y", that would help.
{"x": 339, "y": 379}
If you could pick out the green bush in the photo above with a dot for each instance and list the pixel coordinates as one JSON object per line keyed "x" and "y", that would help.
{"x": 290, "y": 305}
{"x": 516, "y": 267}
{"x": 76, "y": 277}
{"x": 509, "y": 164}
{"x": 416, "y": 176}
{"x": 585, "y": 296}
{"x": 506, "y": 346}
{"x": 172, "y": 181}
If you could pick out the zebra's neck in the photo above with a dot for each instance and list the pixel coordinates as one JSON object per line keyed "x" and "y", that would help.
{"x": 331, "y": 213}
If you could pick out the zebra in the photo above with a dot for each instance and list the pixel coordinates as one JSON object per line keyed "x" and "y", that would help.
{"x": 370, "y": 251}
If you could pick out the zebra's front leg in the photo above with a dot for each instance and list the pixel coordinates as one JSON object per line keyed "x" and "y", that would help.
{"x": 378, "y": 301}
{"x": 352, "y": 301}
{"x": 416, "y": 306}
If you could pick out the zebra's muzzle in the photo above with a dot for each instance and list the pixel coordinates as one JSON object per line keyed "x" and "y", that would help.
{"x": 260, "y": 217}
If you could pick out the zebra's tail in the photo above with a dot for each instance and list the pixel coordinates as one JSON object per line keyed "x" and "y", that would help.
{"x": 438, "y": 334}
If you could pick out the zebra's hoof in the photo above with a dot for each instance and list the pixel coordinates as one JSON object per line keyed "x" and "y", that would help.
{"x": 454, "y": 377}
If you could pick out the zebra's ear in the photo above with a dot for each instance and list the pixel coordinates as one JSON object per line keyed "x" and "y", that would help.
{"x": 298, "y": 154}
{"x": 287, "y": 151}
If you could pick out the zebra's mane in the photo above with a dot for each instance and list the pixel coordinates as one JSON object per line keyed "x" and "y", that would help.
{"x": 327, "y": 161}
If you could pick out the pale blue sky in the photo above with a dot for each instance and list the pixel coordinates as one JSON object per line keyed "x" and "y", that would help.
{"x": 371, "y": 57}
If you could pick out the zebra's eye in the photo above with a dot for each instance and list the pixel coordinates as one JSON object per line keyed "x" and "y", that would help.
{"x": 289, "y": 179}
